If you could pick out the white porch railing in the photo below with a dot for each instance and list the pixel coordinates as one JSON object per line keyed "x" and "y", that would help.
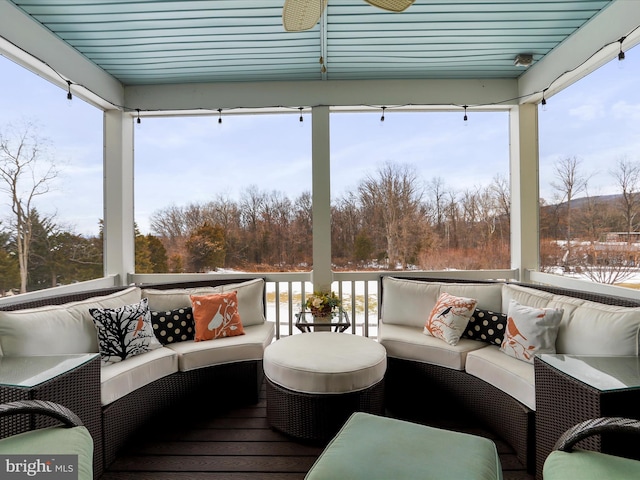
{"x": 359, "y": 291}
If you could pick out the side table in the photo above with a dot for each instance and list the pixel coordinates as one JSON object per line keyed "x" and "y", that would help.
{"x": 71, "y": 380}
{"x": 305, "y": 322}
{"x": 571, "y": 389}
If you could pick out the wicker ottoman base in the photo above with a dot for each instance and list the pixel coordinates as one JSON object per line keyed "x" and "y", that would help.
{"x": 318, "y": 417}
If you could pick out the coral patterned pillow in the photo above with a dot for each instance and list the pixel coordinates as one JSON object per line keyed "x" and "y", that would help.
{"x": 449, "y": 317}
{"x": 216, "y": 316}
{"x": 530, "y": 330}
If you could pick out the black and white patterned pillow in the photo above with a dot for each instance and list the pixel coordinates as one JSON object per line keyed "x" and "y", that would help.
{"x": 486, "y": 326}
{"x": 124, "y": 332}
{"x": 173, "y": 326}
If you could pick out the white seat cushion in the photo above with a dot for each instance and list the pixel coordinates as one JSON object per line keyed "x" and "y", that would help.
{"x": 509, "y": 374}
{"x": 325, "y": 362}
{"x": 409, "y": 343}
{"x": 121, "y": 378}
{"x": 249, "y": 346}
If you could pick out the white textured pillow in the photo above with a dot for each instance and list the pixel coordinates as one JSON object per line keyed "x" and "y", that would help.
{"x": 407, "y": 302}
{"x": 57, "y": 329}
{"x": 449, "y": 317}
{"x": 250, "y": 300}
{"x": 530, "y": 330}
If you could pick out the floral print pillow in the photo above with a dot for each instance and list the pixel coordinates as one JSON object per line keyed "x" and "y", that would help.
{"x": 449, "y": 317}
{"x": 530, "y": 330}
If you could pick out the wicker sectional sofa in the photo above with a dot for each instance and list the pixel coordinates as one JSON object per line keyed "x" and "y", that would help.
{"x": 428, "y": 376}
{"x": 138, "y": 388}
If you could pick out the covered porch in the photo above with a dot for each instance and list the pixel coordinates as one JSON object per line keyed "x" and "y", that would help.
{"x": 94, "y": 52}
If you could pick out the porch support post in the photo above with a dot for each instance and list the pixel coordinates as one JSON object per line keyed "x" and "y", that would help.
{"x": 525, "y": 191}
{"x": 321, "y": 276}
{"x": 118, "y": 229}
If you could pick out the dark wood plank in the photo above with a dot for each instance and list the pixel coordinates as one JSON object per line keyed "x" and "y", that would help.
{"x": 213, "y": 463}
{"x": 237, "y": 444}
{"x": 225, "y": 448}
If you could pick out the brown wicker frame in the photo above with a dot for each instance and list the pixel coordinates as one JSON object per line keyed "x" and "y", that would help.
{"x": 596, "y": 426}
{"x": 410, "y": 385}
{"x": 316, "y": 418}
{"x": 120, "y": 419}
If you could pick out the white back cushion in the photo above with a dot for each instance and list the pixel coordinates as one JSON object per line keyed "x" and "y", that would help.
{"x": 597, "y": 329}
{"x": 173, "y": 298}
{"x": 488, "y": 295}
{"x": 250, "y": 300}
{"x": 524, "y": 296}
{"x": 57, "y": 329}
{"x": 407, "y": 302}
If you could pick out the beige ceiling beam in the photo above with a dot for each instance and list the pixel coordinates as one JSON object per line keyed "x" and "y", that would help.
{"x": 444, "y": 94}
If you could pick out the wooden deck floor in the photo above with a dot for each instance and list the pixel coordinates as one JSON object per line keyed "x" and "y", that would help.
{"x": 237, "y": 444}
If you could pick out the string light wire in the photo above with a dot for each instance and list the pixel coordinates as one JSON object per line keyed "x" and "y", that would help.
{"x": 621, "y": 56}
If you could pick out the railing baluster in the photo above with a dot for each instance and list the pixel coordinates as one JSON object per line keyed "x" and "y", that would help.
{"x": 277, "y": 305}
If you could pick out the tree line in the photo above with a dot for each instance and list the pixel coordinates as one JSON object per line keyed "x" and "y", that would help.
{"x": 392, "y": 219}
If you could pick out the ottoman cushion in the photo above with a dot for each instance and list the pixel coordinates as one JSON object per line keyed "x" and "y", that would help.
{"x": 372, "y": 447}
{"x": 52, "y": 441}
{"x": 325, "y": 362}
{"x": 587, "y": 465}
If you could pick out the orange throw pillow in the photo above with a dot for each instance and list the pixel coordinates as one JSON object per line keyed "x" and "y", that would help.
{"x": 216, "y": 316}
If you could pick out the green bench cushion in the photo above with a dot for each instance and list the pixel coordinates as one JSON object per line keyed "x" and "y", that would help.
{"x": 54, "y": 441}
{"x": 587, "y": 465}
{"x": 372, "y": 447}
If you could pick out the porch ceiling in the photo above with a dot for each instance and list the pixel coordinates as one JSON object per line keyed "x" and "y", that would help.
{"x": 113, "y": 46}
{"x": 160, "y": 42}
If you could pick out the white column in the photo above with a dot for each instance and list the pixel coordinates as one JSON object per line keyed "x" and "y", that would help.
{"x": 321, "y": 198}
{"x": 119, "y": 242}
{"x": 525, "y": 190}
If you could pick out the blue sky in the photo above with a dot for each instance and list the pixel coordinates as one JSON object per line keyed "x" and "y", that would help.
{"x": 195, "y": 159}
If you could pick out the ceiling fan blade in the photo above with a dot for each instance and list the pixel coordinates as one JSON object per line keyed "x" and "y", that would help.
{"x": 391, "y": 5}
{"x": 298, "y": 15}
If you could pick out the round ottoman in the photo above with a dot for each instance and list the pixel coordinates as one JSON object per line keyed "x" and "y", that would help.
{"x": 315, "y": 381}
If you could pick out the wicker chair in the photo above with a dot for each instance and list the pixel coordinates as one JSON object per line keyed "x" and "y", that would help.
{"x": 565, "y": 462}
{"x": 48, "y": 444}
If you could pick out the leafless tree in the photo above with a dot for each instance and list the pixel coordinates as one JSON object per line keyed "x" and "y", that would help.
{"x": 570, "y": 183}
{"x": 393, "y": 199}
{"x": 26, "y": 172}
{"x": 627, "y": 175}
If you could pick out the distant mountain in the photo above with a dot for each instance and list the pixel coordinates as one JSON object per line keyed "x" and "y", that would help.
{"x": 582, "y": 201}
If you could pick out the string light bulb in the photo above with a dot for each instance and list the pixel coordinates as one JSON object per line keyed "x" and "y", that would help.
{"x": 138, "y": 121}
{"x": 69, "y": 95}
{"x": 543, "y": 102}
{"x": 219, "y": 116}
{"x": 382, "y": 117}
{"x": 465, "y": 118}
{"x": 301, "y": 119}
{"x": 621, "y": 53}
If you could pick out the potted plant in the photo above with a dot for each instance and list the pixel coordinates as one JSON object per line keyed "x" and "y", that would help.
{"x": 323, "y": 305}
